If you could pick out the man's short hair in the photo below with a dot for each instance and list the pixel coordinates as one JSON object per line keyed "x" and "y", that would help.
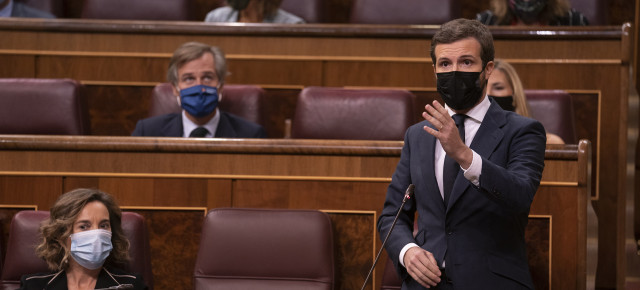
{"x": 461, "y": 28}
{"x": 194, "y": 50}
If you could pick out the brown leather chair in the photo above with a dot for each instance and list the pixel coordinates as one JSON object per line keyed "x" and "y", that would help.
{"x": 265, "y": 249}
{"x": 42, "y": 106}
{"x": 554, "y": 109}
{"x": 23, "y": 237}
{"x": 138, "y": 9}
{"x": 405, "y": 11}
{"x": 245, "y": 101}
{"x": 596, "y": 11}
{"x": 356, "y": 114}
{"x": 312, "y": 11}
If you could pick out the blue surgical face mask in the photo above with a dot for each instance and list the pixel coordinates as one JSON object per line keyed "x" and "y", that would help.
{"x": 91, "y": 248}
{"x": 200, "y": 100}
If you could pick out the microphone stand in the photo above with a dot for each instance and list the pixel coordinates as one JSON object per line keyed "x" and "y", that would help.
{"x": 407, "y": 195}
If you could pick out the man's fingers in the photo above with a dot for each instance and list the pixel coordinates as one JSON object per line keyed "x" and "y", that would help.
{"x": 422, "y": 267}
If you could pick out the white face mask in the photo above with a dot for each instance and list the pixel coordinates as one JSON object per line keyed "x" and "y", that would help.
{"x": 91, "y": 248}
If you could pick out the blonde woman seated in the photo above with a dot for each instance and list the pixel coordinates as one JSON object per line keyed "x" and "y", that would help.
{"x": 83, "y": 244}
{"x": 506, "y": 89}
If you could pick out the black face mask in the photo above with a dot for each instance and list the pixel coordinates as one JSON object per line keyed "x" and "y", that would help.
{"x": 506, "y": 103}
{"x": 528, "y": 11}
{"x": 460, "y": 90}
{"x": 239, "y": 4}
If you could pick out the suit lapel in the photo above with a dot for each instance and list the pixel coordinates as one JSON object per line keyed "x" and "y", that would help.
{"x": 427, "y": 161}
{"x": 173, "y": 126}
{"x": 224, "y": 127}
{"x": 484, "y": 143}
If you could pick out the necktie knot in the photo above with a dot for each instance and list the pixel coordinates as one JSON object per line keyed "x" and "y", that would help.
{"x": 199, "y": 132}
{"x": 459, "y": 119}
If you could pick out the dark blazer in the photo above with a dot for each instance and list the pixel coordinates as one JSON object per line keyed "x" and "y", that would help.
{"x": 106, "y": 279}
{"x": 571, "y": 18}
{"x": 481, "y": 232}
{"x": 170, "y": 125}
{"x": 21, "y": 10}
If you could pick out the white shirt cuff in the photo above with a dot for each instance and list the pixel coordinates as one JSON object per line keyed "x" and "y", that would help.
{"x": 404, "y": 250}
{"x": 475, "y": 169}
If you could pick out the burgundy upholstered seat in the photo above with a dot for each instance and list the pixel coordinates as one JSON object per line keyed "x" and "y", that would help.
{"x": 337, "y": 113}
{"x": 265, "y": 249}
{"x": 21, "y": 259}
{"x": 138, "y": 9}
{"x": 596, "y": 11}
{"x": 42, "y": 106}
{"x": 405, "y": 11}
{"x": 246, "y": 101}
{"x": 312, "y": 11}
{"x": 390, "y": 279}
{"x": 554, "y": 109}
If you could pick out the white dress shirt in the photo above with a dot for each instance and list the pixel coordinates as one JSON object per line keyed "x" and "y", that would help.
{"x": 211, "y": 126}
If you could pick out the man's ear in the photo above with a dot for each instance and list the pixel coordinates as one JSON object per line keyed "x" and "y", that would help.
{"x": 176, "y": 93}
{"x": 220, "y": 93}
{"x": 434, "y": 70}
{"x": 488, "y": 69}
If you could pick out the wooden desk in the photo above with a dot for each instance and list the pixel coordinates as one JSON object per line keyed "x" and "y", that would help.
{"x": 173, "y": 181}
{"x": 120, "y": 61}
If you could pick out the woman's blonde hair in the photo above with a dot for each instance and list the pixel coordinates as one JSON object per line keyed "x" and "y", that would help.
{"x": 553, "y": 9}
{"x": 519, "y": 98}
{"x": 56, "y": 230}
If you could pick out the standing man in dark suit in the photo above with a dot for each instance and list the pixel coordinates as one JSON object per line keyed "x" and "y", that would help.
{"x": 197, "y": 72}
{"x": 475, "y": 168}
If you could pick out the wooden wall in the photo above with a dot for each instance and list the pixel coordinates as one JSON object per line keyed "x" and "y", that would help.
{"x": 173, "y": 181}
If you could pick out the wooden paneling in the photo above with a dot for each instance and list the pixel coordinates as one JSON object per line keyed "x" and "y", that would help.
{"x": 17, "y": 66}
{"x": 20, "y": 190}
{"x": 538, "y": 237}
{"x": 174, "y": 238}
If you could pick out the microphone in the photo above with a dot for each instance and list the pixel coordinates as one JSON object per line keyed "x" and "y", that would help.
{"x": 408, "y": 194}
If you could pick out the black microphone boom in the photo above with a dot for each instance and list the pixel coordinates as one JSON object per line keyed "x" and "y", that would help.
{"x": 407, "y": 195}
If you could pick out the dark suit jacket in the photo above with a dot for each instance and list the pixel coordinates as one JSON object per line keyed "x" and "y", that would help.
{"x": 170, "y": 125}
{"x": 22, "y": 10}
{"x": 481, "y": 232}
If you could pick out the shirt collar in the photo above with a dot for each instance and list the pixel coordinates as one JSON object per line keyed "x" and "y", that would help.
{"x": 188, "y": 125}
{"x": 478, "y": 112}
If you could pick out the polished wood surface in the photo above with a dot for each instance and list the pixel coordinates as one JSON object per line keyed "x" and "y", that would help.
{"x": 119, "y": 61}
{"x": 172, "y": 181}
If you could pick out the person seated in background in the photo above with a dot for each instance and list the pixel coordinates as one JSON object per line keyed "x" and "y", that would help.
{"x": 532, "y": 13}
{"x": 197, "y": 72}
{"x": 506, "y": 89}
{"x": 257, "y": 11}
{"x": 10, "y": 8}
{"x": 84, "y": 245}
